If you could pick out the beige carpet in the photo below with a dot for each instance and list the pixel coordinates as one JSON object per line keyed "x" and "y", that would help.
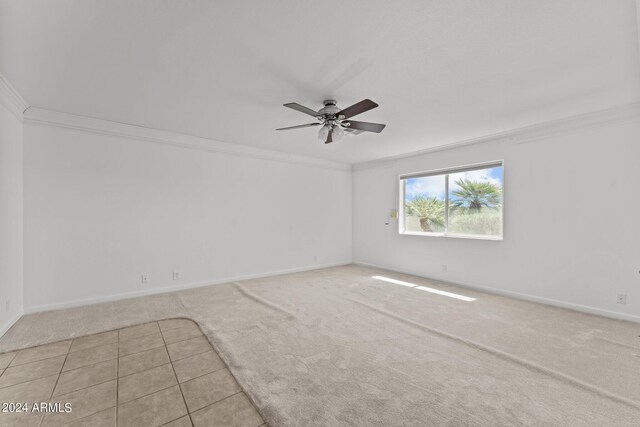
{"x": 338, "y": 347}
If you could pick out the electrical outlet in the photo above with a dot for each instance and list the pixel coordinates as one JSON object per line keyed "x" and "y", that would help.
{"x": 176, "y": 275}
{"x": 622, "y": 299}
{"x": 144, "y": 278}
{"x": 7, "y": 306}
{"x": 444, "y": 267}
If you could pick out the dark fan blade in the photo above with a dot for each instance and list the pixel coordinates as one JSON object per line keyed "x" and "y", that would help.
{"x": 329, "y": 137}
{"x": 300, "y": 126}
{"x": 301, "y": 108}
{"x": 366, "y": 126}
{"x": 357, "y": 108}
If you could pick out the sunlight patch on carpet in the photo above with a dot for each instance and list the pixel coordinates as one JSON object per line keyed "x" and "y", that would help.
{"x": 424, "y": 288}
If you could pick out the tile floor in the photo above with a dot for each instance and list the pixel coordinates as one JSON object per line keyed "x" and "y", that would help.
{"x": 157, "y": 374}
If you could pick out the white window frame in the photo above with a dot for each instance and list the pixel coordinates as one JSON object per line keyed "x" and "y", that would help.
{"x": 446, "y": 172}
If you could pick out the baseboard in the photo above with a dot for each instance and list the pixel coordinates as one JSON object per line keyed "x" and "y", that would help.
{"x": 134, "y": 294}
{"x": 517, "y": 295}
{"x": 4, "y": 328}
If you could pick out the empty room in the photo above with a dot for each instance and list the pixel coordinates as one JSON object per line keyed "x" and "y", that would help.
{"x": 291, "y": 213}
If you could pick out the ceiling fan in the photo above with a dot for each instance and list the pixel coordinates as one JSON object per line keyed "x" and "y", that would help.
{"x": 334, "y": 121}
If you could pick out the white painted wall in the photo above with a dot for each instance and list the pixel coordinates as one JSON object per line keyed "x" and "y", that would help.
{"x": 572, "y": 221}
{"x": 102, "y": 210}
{"x": 11, "y": 254}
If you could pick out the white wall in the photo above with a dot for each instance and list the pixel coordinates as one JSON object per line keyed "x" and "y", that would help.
{"x": 572, "y": 220}
{"x": 11, "y": 255}
{"x": 101, "y": 210}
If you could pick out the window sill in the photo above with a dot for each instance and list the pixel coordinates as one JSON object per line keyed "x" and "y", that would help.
{"x": 451, "y": 236}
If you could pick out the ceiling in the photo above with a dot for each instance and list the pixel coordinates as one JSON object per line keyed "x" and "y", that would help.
{"x": 442, "y": 71}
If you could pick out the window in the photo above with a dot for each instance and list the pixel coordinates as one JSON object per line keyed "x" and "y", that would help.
{"x": 458, "y": 202}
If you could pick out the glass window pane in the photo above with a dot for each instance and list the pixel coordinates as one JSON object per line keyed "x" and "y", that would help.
{"x": 475, "y": 202}
{"x": 424, "y": 204}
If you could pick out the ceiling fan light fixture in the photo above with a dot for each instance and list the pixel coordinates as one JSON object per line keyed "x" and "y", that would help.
{"x": 323, "y": 132}
{"x": 338, "y": 132}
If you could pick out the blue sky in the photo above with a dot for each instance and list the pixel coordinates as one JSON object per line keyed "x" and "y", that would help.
{"x": 433, "y": 186}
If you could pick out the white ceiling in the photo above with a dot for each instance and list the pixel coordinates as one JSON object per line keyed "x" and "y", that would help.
{"x": 442, "y": 71}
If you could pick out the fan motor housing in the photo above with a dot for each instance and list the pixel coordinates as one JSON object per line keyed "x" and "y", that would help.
{"x": 330, "y": 108}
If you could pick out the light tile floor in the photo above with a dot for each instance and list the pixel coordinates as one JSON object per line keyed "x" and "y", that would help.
{"x": 156, "y": 374}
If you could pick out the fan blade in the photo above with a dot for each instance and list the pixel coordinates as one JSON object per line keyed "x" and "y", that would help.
{"x": 357, "y": 108}
{"x": 300, "y": 126}
{"x": 302, "y": 109}
{"x": 366, "y": 126}
{"x": 329, "y": 137}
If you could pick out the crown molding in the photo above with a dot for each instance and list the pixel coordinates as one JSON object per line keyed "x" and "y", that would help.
{"x": 11, "y": 98}
{"x": 536, "y": 132}
{"x": 526, "y": 134}
{"x": 44, "y": 117}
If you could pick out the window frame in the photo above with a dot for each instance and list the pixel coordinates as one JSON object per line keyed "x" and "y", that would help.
{"x": 446, "y": 172}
